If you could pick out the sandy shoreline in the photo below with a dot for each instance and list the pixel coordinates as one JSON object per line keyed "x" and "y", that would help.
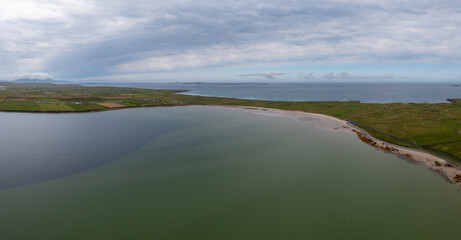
{"x": 434, "y": 163}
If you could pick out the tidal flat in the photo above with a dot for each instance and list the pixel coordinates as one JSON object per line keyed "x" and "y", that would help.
{"x": 203, "y": 172}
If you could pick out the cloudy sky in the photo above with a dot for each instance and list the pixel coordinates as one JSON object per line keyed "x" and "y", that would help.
{"x": 251, "y": 40}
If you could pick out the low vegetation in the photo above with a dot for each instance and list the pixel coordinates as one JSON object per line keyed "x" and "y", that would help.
{"x": 435, "y": 127}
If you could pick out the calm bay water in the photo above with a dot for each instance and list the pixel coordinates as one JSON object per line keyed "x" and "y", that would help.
{"x": 209, "y": 173}
{"x": 364, "y": 92}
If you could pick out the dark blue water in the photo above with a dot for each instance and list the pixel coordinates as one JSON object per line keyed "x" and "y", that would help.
{"x": 363, "y": 92}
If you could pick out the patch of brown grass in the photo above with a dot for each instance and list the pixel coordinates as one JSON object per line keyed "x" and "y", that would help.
{"x": 111, "y": 105}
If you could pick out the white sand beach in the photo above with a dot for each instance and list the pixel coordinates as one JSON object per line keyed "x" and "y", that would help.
{"x": 434, "y": 163}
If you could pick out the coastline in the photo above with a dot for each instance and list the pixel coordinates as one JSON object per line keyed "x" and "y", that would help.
{"x": 434, "y": 163}
{"x": 450, "y": 171}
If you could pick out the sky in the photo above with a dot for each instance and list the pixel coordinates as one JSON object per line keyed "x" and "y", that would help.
{"x": 231, "y": 41}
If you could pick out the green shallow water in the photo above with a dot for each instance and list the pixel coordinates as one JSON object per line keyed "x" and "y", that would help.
{"x": 217, "y": 173}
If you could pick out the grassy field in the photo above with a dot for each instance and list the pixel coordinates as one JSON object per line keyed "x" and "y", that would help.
{"x": 433, "y": 126}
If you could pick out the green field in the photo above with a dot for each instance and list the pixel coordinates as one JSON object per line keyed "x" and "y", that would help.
{"x": 434, "y": 126}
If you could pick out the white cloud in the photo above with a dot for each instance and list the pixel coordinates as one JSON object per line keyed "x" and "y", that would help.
{"x": 32, "y": 75}
{"x": 88, "y": 38}
{"x": 217, "y": 56}
{"x": 23, "y": 9}
{"x": 29, "y": 64}
{"x": 266, "y": 75}
{"x": 343, "y": 75}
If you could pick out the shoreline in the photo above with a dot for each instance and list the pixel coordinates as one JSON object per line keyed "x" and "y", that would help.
{"x": 437, "y": 164}
{"x": 447, "y": 169}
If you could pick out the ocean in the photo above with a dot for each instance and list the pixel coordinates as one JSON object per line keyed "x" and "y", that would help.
{"x": 363, "y": 92}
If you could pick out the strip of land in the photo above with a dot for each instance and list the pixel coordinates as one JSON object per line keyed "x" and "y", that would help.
{"x": 451, "y": 171}
{"x": 431, "y": 131}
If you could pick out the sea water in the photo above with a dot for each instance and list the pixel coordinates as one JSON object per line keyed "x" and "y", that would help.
{"x": 363, "y": 92}
{"x": 210, "y": 173}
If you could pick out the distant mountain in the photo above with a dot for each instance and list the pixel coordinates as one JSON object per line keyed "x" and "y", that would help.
{"x": 27, "y": 80}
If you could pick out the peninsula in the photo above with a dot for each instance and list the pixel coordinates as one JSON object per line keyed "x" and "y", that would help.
{"x": 433, "y": 130}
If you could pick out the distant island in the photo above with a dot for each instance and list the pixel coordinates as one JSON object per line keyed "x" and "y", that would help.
{"x": 434, "y": 129}
{"x": 222, "y": 84}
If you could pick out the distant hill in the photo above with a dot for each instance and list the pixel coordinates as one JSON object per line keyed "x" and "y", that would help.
{"x": 27, "y": 80}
